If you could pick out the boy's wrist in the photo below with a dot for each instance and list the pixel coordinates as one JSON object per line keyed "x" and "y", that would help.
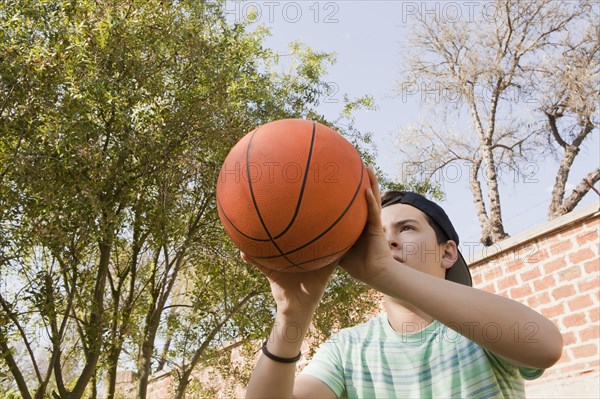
{"x": 279, "y": 359}
{"x": 288, "y": 334}
{"x": 287, "y": 318}
{"x": 298, "y": 313}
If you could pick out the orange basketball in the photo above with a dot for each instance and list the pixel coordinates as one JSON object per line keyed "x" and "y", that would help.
{"x": 291, "y": 195}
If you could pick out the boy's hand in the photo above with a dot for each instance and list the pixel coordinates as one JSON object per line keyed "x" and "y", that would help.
{"x": 371, "y": 254}
{"x": 296, "y": 293}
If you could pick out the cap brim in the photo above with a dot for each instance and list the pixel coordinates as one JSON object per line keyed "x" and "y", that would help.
{"x": 459, "y": 272}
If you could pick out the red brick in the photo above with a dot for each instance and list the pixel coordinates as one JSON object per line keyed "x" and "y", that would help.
{"x": 564, "y": 291}
{"x": 592, "y": 266}
{"x": 565, "y": 358}
{"x": 569, "y": 338}
{"x": 593, "y": 364}
{"x": 581, "y": 256}
{"x": 594, "y": 315}
{"x": 507, "y": 282}
{"x": 552, "y": 240}
{"x": 589, "y": 236}
{"x": 589, "y": 334}
{"x": 531, "y": 274}
{"x": 580, "y": 302}
{"x": 531, "y": 252}
{"x": 585, "y": 350}
{"x": 513, "y": 266}
{"x": 574, "y": 320}
{"x": 520, "y": 292}
{"x": 569, "y": 274}
{"x": 554, "y": 265}
{"x": 477, "y": 279}
{"x": 570, "y": 369}
{"x": 537, "y": 256}
{"x": 551, "y": 372}
{"x": 554, "y": 311}
{"x": 573, "y": 230}
{"x": 489, "y": 288}
{"x": 589, "y": 284}
{"x": 536, "y": 301}
{"x": 561, "y": 247}
{"x": 545, "y": 283}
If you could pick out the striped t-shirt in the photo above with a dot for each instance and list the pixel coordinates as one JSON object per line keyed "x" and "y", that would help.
{"x": 372, "y": 360}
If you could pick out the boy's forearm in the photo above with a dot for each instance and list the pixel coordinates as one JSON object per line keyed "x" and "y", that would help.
{"x": 501, "y": 325}
{"x": 272, "y": 379}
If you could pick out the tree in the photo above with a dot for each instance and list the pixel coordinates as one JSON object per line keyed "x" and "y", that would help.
{"x": 115, "y": 118}
{"x": 570, "y": 105}
{"x": 488, "y": 65}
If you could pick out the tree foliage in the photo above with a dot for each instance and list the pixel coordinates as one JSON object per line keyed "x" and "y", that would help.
{"x": 114, "y": 120}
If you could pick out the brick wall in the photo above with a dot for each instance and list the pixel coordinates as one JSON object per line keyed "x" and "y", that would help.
{"x": 554, "y": 269}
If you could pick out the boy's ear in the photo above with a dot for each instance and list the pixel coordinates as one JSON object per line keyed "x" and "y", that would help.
{"x": 450, "y": 254}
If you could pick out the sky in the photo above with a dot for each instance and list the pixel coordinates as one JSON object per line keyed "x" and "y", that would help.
{"x": 368, "y": 39}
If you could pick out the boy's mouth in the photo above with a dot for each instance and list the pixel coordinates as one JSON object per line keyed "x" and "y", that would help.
{"x": 398, "y": 258}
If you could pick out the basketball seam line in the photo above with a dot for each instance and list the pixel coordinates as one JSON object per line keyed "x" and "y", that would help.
{"x": 312, "y": 142}
{"x": 256, "y": 205}
{"x": 235, "y": 227}
{"x": 320, "y": 257}
{"x": 327, "y": 230}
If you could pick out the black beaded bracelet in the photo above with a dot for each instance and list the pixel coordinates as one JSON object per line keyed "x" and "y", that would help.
{"x": 279, "y": 358}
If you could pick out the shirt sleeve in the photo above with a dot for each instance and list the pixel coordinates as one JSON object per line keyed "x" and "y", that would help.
{"x": 528, "y": 373}
{"x": 326, "y": 365}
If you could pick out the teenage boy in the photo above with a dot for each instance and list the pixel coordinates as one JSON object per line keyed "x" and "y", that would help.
{"x": 438, "y": 336}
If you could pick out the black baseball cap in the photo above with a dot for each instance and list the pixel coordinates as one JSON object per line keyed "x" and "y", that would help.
{"x": 458, "y": 272}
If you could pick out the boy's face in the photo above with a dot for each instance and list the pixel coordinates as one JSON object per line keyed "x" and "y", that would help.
{"x": 412, "y": 240}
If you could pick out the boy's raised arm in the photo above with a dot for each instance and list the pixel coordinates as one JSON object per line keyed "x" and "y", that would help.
{"x": 297, "y": 296}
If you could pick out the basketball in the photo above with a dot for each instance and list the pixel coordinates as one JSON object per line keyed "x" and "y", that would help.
{"x": 291, "y": 195}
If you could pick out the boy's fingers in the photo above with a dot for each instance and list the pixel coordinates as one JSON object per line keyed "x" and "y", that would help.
{"x": 373, "y": 200}
{"x": 374, "y": 183}
{"x": 246, "y": 258}
{"x": 264, "y": 270}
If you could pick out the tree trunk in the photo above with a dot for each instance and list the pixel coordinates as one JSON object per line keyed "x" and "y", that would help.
{"x": 489, "y": 162}
{"x": 6, "y": 353}
{"x": 123, "y": 313}
{"x": 568, "y": 204}
{"x": 111, "y": 373}
{"x": 495, "y": 220}
{"x": 559, "y": 205}
{"x": 96, "y": 324}
{"x": 484, "y": 223}
{"x": 94, "y": 382}
{"x": 185, "y": 376}
{"x": 13, "y": 367}
{"x": 558, "y": 191}
{"x": 145, "y": 360}
{"x": 163, "y": 356}
{"x": 492, "y": 229}
{"x": 182, "y": 385}
{"x": 152, "y": 323}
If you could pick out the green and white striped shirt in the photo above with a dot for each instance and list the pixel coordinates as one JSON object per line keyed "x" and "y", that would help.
{"x": 372, "y": 360}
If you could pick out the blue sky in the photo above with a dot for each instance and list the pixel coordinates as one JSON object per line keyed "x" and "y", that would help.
{"x": 367, "y": 38}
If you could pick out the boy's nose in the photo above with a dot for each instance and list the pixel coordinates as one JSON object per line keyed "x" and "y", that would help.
{"x": 392, "y": 241}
